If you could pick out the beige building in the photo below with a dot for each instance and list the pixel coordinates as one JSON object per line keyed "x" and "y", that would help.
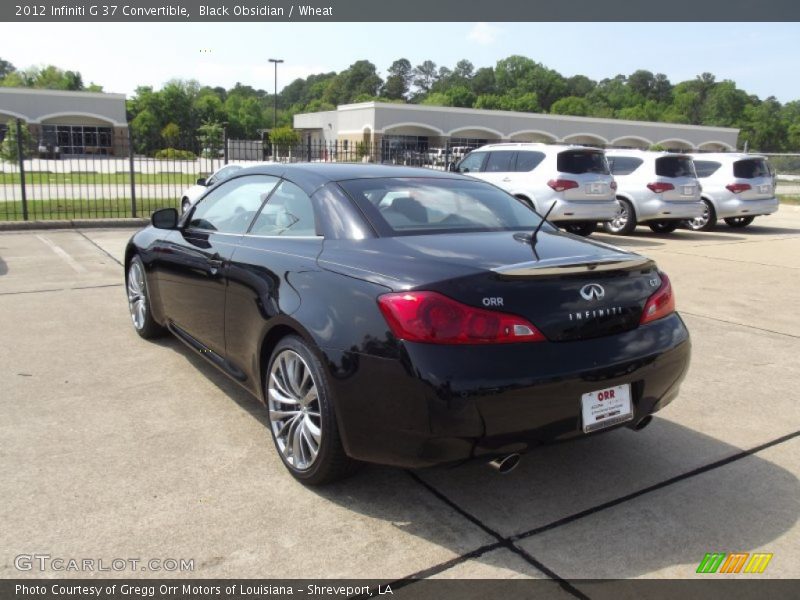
{"x": 419, "y": 127}
{"x": 77, "y": 123}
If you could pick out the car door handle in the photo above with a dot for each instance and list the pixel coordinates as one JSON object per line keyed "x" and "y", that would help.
{"x": 214, "y": 263}
{"x": 506, "y": 178}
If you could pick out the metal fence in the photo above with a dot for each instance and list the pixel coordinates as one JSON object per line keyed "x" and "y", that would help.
{"x": 41, "y": 181}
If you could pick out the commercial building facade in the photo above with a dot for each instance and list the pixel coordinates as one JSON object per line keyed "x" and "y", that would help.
{"x": 420, "y": 127}
{"x": 77, "y": 123}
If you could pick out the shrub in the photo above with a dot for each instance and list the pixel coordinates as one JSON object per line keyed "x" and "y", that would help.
{"x": 175, "y": 154}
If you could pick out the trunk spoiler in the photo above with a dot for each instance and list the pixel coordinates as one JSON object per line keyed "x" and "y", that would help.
{"x": 574, "y": 265}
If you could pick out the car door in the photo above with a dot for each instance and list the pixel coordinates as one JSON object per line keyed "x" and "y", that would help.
{"x": 271, "y": 268}
{"x": 193, "y": 264}
{"x": 498, "y": 167}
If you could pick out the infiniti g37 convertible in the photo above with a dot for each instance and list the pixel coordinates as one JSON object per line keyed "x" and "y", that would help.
{"x": 405, "y": 316}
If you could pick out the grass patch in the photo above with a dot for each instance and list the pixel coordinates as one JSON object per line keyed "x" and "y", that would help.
{"x": 93, "y": 178}
{"x": 789, "y": 200}
{"x": 107, "y": 208}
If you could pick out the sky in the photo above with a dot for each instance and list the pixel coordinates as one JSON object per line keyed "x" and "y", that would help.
{"x": 762, "y": 58}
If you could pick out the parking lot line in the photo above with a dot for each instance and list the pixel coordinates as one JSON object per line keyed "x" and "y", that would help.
{"x": 79, "y": 268}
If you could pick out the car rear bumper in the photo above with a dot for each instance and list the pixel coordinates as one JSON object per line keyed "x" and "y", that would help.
{"x": 734, "y": 206}
{"x": 582, "y": 210}
{"x": 440, "y": 404}
{"x": 658, "y": 209}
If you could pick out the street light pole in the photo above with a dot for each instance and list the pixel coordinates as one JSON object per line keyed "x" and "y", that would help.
{"x": 275, "y": 105}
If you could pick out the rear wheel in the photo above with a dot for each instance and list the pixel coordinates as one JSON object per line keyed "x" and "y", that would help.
{"x": 625, "y": 220}
{"x": 706, "y": 222}
{"x": 663, "y": 226}
{"x": 139, "y": 301}
{"x": 738, "y": 222}
{"x": 301, "y": 415}
{"x": 583, "y": 228}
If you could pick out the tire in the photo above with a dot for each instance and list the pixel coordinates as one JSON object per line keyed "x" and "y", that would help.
{"x": 139, "y": 301}
{"x": 185, "y": 205}
{"x": 625, "y": 221}
{"x": 582, "y": 228}
{"x": 301, "y": 415}
{"x": 663, "y": 226}
{"x": 705, "y": 223}
{"x": 738, "y": 222}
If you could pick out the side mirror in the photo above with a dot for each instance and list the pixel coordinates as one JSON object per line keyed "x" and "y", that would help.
{"x": 202, "y": 181}
{"x": 166, "y": 218}
{"x": 452, "y": 167}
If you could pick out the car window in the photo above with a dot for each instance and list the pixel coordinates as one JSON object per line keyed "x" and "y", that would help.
{"x": 623, "y": 165}
{"x": 751, "y": 168}
{"x": 231, "y": 207}
{"x": 499, "y": 161}
{"x": 289, "y": 212}
{"x": 408, "y": 206}
{"x": 222, "y": 174}
{"x": 528, "y": 161}
{"x": 472, "y": 163}
{"x": 675, "y": 166}
{"x": 706, "y": 168}
{"x": 578, "y": 162}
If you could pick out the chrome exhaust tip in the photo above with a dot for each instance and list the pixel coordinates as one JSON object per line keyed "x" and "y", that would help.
{"x": 643, "y": 423}
{"x": 505, "y": 464}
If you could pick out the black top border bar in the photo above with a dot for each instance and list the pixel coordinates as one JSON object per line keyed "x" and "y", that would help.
{"x": 405, "y": 11}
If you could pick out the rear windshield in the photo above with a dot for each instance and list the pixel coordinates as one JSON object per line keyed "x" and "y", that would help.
{"x": 675, "y": 166}
{"x": 706, "y": 168}
{"x": 623, "y": 165}
{"x": 582, "y": 161}
{"x": 408, "y": 206}
{"x": 751, "y": 168}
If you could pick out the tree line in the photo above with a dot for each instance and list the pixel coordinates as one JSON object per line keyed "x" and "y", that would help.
{"x": 181, "y": 109}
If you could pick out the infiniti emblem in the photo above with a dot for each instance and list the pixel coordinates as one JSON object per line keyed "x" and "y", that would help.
{"x": 592, "y": 291}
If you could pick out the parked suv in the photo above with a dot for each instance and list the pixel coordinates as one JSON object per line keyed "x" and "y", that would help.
{"x": 736, "y": 187}
{"x": 659, "y": 189}
{"x": 576, "y": 178}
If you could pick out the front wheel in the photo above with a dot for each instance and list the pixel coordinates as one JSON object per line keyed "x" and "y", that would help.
{"x": 583, "y": 228}
{"x": 663, "y": 226}
{"x": 738, "y": 222}
{"x": 625, "y": 220}
{"x": 139, "y": 301}
{"x": 705, "y": 222}
{"x": 301, "y": 415}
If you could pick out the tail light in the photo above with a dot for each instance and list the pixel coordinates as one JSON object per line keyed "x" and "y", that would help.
{"x": 660, "y": 187}
{"x": 660, "y": 304}
{"x": 562, "y": 185}
{"x": 737, "y": 188}
{"x": 433, "y": 318}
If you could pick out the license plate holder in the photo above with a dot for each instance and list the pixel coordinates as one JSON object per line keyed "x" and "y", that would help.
{"x": 606, "y": 407}
{"x": 596, "y": 188}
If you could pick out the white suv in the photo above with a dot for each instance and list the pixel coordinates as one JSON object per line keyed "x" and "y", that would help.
{"x": 736, "y": 187}
{"x": 576, "y": 178}
{"x": 659, "y": 189}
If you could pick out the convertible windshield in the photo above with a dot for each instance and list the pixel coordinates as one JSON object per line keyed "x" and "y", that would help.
{"x": 407, "y": 206}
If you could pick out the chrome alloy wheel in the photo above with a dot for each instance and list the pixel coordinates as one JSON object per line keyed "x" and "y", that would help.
{"x": 137, "y": 296}
{"x": 701, "y": 221}
{"x": 619, "y": 222}
{"x": 294, "y": 410}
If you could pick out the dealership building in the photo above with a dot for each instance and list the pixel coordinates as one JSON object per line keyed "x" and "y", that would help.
{"x": 419, "y": 127}
{"x": 78, "y": 123}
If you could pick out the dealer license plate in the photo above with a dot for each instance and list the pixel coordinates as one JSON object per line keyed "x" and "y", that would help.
{"x": 606, "y": 407}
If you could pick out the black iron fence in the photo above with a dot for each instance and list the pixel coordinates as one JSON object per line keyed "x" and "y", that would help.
{"x": 107, "y": 178}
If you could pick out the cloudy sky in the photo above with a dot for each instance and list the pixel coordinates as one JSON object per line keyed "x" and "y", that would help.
{"x": 762, "y": 58}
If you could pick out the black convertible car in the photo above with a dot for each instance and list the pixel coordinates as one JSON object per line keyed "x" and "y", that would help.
{"x": 405, "y": 316}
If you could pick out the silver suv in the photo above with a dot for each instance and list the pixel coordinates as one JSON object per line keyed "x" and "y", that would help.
{"x": 659, "y": 189}
{"x": 736, "y": 187}
{"x": 576, "y": 178}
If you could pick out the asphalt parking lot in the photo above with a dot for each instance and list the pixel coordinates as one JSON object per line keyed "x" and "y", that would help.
{"x": 116, "y": 447}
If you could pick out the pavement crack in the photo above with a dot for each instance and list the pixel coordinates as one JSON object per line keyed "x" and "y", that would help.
{"x": 99, "y": 247}
{"x": 717, "y": 319}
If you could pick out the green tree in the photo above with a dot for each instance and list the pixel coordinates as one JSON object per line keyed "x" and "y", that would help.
{"x": 763, "y": 128}
{"x": 211, "y": 135}
{"x": 5, "y": 68}
{"x": 424, "y": 76}
{"x": 9, "y": 148}
{"x": 171, "y": 134}
{"x": 571, "y": 105}
{"x": 484, "y": 82}
{"x": 398, "y": 82}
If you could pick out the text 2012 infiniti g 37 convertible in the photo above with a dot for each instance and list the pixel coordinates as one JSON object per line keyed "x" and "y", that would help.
{"x": 405, "y": 316}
